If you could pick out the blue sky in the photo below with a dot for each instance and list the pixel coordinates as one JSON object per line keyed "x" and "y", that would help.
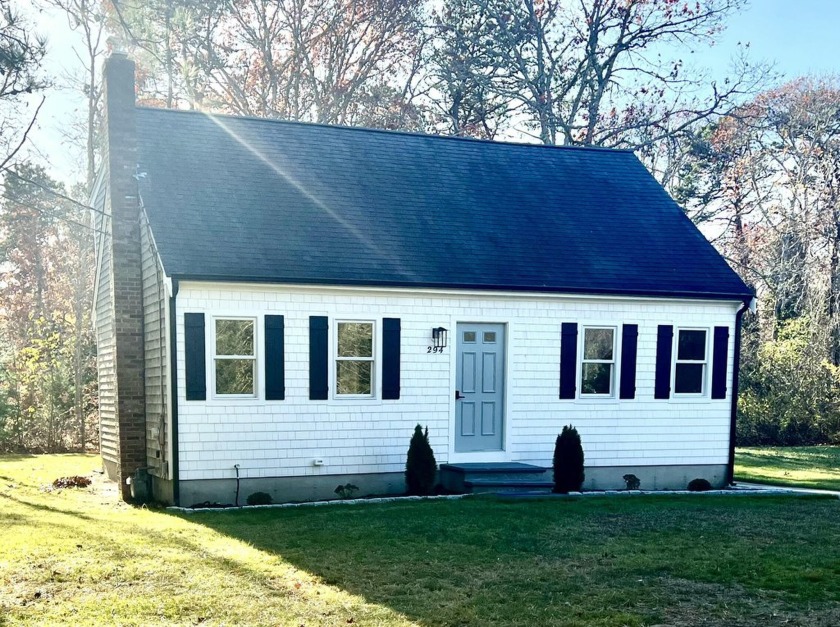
{"x": 800, "y": 36}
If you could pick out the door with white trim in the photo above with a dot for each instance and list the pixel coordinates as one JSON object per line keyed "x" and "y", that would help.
{"x": 480, "y": 387}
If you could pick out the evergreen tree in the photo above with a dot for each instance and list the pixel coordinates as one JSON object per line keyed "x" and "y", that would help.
{"x": 21, "y": 55}
{"x": 420, "y": 465}
{"x": 568, "y": 461}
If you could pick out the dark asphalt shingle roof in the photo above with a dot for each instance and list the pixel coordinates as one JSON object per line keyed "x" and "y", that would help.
{"x": 261, "y": 200}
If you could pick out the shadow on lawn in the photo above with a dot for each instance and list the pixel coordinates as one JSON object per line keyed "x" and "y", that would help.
{"x": 16, "y": 457}
{"x": 456, "y": 565}
{"x": 47, "y": 508}
{"x": 483, "y": 561}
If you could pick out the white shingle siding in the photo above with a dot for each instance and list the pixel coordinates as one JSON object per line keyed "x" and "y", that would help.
{"x": 282, "y": 438}
{"x": 103, "y": 321}
{"x": 155, "y": 370}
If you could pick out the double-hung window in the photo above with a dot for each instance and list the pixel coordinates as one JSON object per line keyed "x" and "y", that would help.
{"x": 354, "y": 361}
{"x": 234, "y": 357}
{"x": 691, "y": 362}
{"x": 597, "y": 369}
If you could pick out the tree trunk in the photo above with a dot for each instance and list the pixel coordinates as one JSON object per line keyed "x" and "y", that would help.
{"x": 170, "y": 87}
{"x": 78, "y": 306}
{"x": 91, "y": 126}
{"x": 833, "y": 292}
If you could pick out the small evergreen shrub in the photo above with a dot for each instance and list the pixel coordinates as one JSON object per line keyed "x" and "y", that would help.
{"x": 420, "y": 465}
{"x": 259, "y": 498}
{"x": 568, "y": 462}
{"x": 699, "y": 485}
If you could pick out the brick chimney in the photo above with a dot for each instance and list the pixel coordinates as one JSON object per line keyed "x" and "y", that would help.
{"x": 126, "y": 286}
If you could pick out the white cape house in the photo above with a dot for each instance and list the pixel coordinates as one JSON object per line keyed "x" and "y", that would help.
{"x": 278, "y": 305}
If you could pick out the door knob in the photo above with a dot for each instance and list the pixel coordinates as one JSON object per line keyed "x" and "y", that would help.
{"x": 458, "y": 395}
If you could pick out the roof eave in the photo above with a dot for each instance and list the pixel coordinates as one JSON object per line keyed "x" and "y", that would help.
{"x": 745, "y": 296}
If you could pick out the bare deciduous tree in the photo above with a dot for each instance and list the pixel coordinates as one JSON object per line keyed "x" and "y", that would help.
{"x": 87, "y": 20}
{"x": 767, "y": 180}
{"x": 338, "y": 61}
{"x": 604, "y": 72}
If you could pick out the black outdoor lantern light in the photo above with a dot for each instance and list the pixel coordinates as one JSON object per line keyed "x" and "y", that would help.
{"x": 439, "y": 337}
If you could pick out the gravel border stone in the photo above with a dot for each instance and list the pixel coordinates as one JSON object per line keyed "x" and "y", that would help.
{"x": 734, "y": 491}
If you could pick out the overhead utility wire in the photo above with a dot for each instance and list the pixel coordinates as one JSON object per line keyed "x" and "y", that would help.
{"x": 49, "y": 214}
{"x": 56, "y": 193}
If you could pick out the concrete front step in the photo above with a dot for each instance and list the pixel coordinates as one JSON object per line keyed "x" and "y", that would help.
{"x": 464, "y": 477}
{"x": 482, "y": 486}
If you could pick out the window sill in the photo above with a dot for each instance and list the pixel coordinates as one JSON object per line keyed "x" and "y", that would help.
{"x": 690, "y": 398}
{"x": 596, "y": 400}
{"x": 233, "y": 400}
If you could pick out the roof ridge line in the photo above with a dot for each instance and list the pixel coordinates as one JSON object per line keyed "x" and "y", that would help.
{"x": 368, "y": 129}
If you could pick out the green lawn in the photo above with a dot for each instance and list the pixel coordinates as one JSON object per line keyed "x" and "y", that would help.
{"x": 799, "y": 466}
{"x": 80, "y": 557}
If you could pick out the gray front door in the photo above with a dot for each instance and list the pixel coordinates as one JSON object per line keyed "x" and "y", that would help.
{"x": 480, "y": 385}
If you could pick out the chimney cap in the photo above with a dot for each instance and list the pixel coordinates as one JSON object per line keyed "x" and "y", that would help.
{"x": 117, "y": 46}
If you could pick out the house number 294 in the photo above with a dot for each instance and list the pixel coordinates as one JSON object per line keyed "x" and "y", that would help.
{"x": 434, "y": 349}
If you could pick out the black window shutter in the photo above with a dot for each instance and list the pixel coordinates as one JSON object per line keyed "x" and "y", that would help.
{"x": 629, "y": 341}
{"x": 664, "y": 342}
{"x": 275, "y": 367}
{"x": 568, "y": 359}
{"x": 719, "y": 363}
{"x": 390, "y": 358}
{"x": 195, "y": 366}
{"x": 318, "y": 356}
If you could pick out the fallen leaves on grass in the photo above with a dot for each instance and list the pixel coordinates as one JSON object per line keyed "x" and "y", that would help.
{"x": 71, "y": 482}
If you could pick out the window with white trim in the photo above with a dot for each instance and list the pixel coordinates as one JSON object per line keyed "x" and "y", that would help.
{"x": 235, "y": 357}
{"x": 691, "y": 361}
{"x": 597, "y": 366}
{"x": 354, "y": 359}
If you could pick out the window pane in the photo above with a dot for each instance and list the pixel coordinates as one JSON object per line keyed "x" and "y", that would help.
{"x": 598, "y": 344}
{"x": 489, "y": 337}
{"x": 596, "y": 379}
{"x": 469, "y": 336}
{"x": 353, "y": 377}
{"x": 234, "y": 337}
{"x": 692, "y": 345}
{"x": 355, "y": 339}
{"x": 688, "y": 379}
{"x": 235, "y": 376}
